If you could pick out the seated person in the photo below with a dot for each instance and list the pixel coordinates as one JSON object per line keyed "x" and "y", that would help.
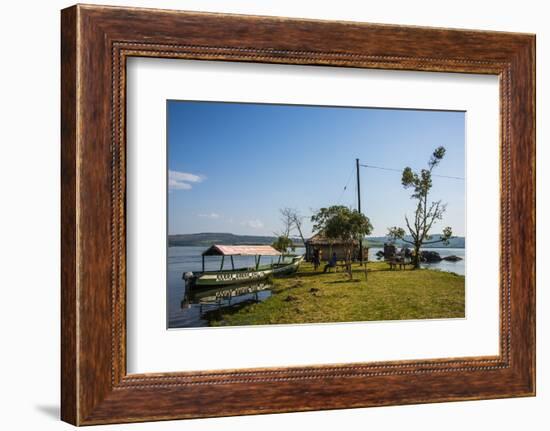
{"x": 331, "y": 263}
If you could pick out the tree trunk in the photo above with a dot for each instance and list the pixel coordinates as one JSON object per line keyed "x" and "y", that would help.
{"x": 348, "y": 263}
{"x": 299, "y": 227}
{"x": 416, "y": 257}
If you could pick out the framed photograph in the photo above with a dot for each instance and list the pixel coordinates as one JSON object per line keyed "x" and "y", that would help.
{"x": 266, "y": 215}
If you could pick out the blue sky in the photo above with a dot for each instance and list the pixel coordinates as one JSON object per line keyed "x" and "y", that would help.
{"x": 233, "y": 165}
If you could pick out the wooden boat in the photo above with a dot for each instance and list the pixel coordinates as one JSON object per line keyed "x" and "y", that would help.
{"x": 218, "y": 294}
{"x": 259, "y": 272}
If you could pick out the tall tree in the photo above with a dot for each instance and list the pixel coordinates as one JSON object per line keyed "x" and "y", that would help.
{"x": 291, "y": 219}
{"x": 342, "y": 223}
{"x": 286, "y": 221}
{"x": 297, "y": 219}
{"x": 426, "y": 215}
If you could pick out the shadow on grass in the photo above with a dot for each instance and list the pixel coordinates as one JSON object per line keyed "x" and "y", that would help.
{"x": 354, "y": 280}
{"x": 300, "y": 275}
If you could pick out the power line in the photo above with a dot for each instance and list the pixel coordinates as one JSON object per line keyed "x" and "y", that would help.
{"x": 346, "y": 186}
{"x": 400, "y": 170}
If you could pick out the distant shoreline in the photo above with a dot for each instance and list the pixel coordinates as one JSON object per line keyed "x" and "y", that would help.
{"x": 206, "y": 239}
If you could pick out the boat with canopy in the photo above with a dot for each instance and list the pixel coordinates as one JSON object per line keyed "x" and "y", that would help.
{"x": 286, "y": 264}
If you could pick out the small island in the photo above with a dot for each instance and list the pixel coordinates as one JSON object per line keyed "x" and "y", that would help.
{"x": 310, "y": 296}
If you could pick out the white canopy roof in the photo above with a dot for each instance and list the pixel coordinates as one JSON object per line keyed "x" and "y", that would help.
{"x": 241, "y": 250}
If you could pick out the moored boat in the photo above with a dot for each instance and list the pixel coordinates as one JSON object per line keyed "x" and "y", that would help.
{"x": 286, "y": 264}
{"x": 217, "y": 294}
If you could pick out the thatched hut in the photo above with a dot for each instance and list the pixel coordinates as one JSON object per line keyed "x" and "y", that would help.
{"x": 328, "y": 246}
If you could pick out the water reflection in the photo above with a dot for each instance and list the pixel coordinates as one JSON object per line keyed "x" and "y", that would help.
{"x": 197, "y": 303}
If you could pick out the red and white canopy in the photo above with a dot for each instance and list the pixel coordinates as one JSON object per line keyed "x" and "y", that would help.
{"x": 241, "y": 250}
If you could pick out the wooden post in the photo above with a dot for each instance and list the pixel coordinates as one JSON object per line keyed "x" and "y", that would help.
{"x": 232, "y": 264}
{"x": 203, "y": 263}
{"x": 221, "y": 266}
{"x": 359, "y": 209}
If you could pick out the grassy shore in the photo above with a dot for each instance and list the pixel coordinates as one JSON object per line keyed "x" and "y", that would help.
{"x": 313, "y": 297}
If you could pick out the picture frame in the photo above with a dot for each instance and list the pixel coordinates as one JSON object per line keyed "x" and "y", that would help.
{"x": 96, "y": 42}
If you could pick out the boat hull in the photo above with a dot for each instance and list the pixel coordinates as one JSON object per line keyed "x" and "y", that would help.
{"x": 225, "y": 278}
{"x": 210, "y": 295}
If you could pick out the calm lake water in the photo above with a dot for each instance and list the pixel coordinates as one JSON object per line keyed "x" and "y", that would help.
{"x": 185, "y": 311}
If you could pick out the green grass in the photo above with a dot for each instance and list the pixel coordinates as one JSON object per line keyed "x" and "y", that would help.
{"x": 313, "y": 297}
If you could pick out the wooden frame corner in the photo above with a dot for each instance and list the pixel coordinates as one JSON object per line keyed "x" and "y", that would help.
{"x": 95, "y": 43}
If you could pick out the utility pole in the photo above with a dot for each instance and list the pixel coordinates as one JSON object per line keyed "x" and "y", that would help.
{"x": 359, "y": 209}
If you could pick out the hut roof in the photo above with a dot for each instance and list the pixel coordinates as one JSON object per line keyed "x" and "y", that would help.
{"x": 320, "y": 239}
{"x": 240, "y": 250}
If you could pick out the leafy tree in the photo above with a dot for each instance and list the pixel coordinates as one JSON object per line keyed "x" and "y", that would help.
{"x": 342, "y": 223}
{"x": 426, "y": 215}
{"x": 282, "y": 244}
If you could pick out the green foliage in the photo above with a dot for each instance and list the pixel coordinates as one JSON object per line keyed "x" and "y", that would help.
{"x": 426, "y": 215}
{"x": 395, "y": 233}
{"x": 342, "y": 223}
{"x": 282, "y": 244}
{"x": 422, "y": 182}
{"x": 437, "y": 155}
{"x": 447, "y": 235}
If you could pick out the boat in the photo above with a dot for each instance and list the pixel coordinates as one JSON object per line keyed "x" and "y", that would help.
{"x": 286, "y": 264}
{"x": 218, "y": 294}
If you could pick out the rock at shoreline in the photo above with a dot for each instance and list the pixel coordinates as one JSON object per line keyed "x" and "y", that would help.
{"x": 452, "y": 258}
{"x": 430, "y": 256}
